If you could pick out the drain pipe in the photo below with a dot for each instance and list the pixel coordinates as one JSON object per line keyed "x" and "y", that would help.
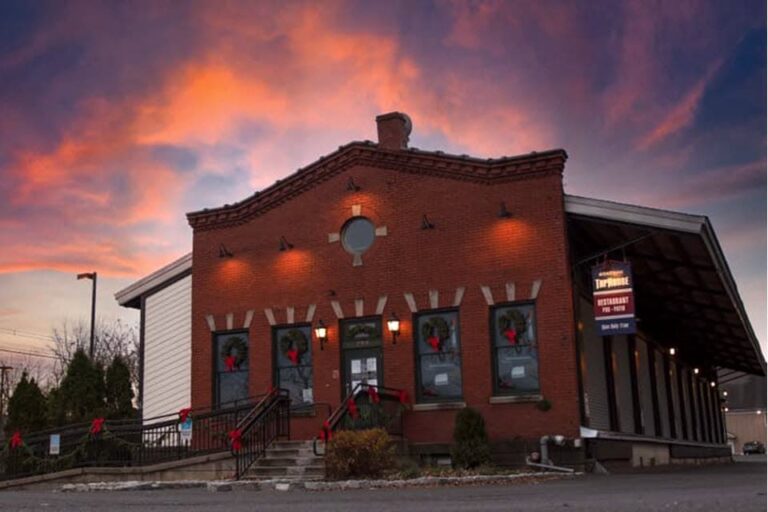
{"x": 546, "y": 463}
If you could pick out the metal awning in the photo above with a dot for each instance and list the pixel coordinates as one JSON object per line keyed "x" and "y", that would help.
{"x": 685, "y": 294}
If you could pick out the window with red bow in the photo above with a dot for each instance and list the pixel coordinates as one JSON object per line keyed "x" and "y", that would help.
{"x": 293, "y": 362}
{"x": 438, "y": 356}
{"x": 515, "y": 353}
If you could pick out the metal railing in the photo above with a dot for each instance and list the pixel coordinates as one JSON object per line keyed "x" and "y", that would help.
{"x": 126, "y": 442}
{"x": 267, "y": 421}
{"x": 387, "y": 413}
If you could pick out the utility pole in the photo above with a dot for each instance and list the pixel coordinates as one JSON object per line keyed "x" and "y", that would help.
{"x": 92, "y": 276}
{"x": 4, "y": 393}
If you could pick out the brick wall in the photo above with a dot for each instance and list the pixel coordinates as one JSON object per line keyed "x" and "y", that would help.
{"x": 469, "y": 247}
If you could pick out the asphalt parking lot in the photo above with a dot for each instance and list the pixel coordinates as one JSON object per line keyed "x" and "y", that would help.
{"x": 728, "y": 487}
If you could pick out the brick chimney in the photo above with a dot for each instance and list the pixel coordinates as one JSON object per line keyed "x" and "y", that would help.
{"x": 394, "y": 129}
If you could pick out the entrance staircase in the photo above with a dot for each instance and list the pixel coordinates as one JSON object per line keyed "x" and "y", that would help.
{"x": 288, "y": 460}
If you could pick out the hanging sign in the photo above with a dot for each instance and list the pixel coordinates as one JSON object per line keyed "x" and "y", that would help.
{"x": 185, "y": 429}
{"x": 614, "y": 301}
{"x": 54, "y": 447}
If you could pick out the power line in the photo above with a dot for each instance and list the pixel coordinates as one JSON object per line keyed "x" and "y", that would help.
{"x": 27, "y": 353}
{"x": 26, "y": 334}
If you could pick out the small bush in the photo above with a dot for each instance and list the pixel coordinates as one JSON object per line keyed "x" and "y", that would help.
{"x": 470, "y": 448}
{"x": 359, "y": 454}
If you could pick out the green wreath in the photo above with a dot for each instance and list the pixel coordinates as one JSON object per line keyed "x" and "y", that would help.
{"x": 238, "y": 344}
{"x": 294, "y": 338}
{"x": 515, "y": 319}
{"x": 440, "y": 327}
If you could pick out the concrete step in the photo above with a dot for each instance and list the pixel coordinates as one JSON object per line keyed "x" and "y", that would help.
{"x": 299, "y": 472}
{"x": 289, "y": 452}
{"x": 289, "y": 461}
{"x": 292, "y": 444}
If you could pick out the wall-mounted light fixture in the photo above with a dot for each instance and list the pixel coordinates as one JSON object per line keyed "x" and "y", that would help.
{"x": 712, "y": 384}
{"x": 393, "y": 324}
{"x": 425, "y": 223}
{"x": 725, "y": 394}
{"x": 321, "y": 333}
{"x": 695, "y": 371}
{"x": 503, "y": 212}
{"x": 224, "y": 252}
{"x": 352, "y": 186}
{"x": 285, "y": 245}
{"x": 672, "y": 351}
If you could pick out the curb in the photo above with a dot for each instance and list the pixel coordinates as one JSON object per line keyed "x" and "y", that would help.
{"x": 296, "y": 485}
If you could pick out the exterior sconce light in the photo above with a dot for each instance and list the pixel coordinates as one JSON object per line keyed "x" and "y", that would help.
{"x": 725, "y": 409}
{"x": 759, "y": 411}
{"x": 352, "y": 186}
{"x": 285, "y": 245}
{"x": 503, "y": 212}
{"x": 672, "y": 351}
{"x": 321, "y": 333}
{"x": 725, "y": 394}
{"x": 425, "y": 223}
{"x": 695, "y": 371}
{"x": 224, "y": 252}
{"x": 393, "y": 324}
{"x": 712, "y": 384}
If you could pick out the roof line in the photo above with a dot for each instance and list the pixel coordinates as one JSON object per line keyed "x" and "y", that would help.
{"x": 153, "y": 280}
{"x": 436, "y": 163}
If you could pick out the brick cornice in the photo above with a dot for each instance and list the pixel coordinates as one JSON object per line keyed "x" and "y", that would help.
{"x": 438, "y": 164}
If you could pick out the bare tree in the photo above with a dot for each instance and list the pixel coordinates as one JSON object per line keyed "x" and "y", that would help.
{"x": 112, "y": 338}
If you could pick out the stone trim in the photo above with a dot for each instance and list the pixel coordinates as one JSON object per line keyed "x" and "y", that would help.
{"x": 439, "y": 406}
{"x": 515, "y": 399}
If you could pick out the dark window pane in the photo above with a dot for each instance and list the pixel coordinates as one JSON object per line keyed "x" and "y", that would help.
{"x": 438, "y": 356}
{"x": 440, "y": 376}
{"x": 232, "y": 386}
{"x": 358, "y": 235}
{"x": 231, "y": 358}
{"x": 293, "y": 362}
{"x": 515, "y": 349}
{"x": 298, "y": 382}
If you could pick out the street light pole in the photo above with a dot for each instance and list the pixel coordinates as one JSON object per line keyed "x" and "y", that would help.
{"x": 92, "y": 276}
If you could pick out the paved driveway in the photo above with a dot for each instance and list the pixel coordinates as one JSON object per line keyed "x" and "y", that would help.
{"x": 733, "y": 487}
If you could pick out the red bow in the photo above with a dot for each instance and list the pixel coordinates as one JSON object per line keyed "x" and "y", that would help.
{"x": 434, "y": 342}
{"x": 234, "y": 439}
{"x": 96, "y": 425}
{"x": 352, "y": 407}
{"x": 293, "y": 355}
{"x": 373, "y": 395}
{"x": 184, "y": 414}
{"x": 403, "y": 396}
{"x": 325, "y": 432}
{"x": 511, "y": 335}
{"x": 16, "y": 440}
{"x": 229, "y": 362}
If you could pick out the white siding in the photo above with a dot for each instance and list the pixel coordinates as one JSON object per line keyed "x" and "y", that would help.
{"x": 168, "y": 349}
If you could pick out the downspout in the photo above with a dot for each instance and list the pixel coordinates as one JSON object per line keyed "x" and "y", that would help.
{"x": 546, "y": 463}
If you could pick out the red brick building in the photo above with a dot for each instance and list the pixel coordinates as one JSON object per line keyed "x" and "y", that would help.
{"x": 485, "y": 262}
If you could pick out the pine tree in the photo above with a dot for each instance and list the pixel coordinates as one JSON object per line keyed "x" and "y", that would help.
{"x": 470, "y": 447}
{"x": 26, "y": 407}
{"x": 81, "y": 395}
{"x": 119, "y": 393}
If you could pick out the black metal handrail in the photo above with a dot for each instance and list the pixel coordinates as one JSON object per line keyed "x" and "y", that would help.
{"x": 369, "y": 414}
{"x": 125, "y": 442}
{"x": 267, "y": 421}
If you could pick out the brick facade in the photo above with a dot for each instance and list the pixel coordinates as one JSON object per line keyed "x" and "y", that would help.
{"x": 470, "y": 246}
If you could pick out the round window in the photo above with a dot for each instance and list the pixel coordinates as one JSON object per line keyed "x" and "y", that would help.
{"x": 358, "y": 235}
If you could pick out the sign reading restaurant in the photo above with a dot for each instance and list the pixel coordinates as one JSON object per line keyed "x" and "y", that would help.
{"x": 613, "y": 299}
